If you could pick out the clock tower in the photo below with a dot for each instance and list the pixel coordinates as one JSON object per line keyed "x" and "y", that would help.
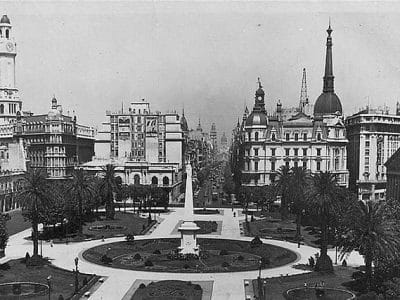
{"x": 10, "y": 104}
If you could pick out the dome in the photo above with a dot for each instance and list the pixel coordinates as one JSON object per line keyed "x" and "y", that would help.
{"x": 327, "y": 104}
{"x": 260, "y": 92}
{"x": 256, "y": 118}
{"x": 5, "y": 19}
{"x": 184, "y": 124}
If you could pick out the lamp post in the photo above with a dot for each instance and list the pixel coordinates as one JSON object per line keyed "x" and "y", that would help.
{"x": 259, "y": 268}
{"x": 76, "y": 275}
{"x": 49, "y": 285}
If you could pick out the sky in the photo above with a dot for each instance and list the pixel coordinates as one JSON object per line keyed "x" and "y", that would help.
{"x": 204, "y": 57}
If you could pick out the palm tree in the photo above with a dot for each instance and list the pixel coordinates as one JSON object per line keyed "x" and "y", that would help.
{"x": 323, "y": 199}
{"x": 299, "y": 180}
{"x": 283, "y": 185}
{"x": 81, "y": 189}
{"x": 109, "y": 187}
{"x": 35, "y": 198}
{"x": 372, "y": 232}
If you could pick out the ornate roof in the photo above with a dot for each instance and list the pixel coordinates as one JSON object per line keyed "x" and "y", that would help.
{"x": 5, "y": 19}
{"x": 256, "y": 118}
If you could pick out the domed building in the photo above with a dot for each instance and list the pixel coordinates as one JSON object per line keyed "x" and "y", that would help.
{"x": 307, "y": 136}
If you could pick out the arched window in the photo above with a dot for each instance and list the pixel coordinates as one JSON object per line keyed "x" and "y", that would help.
{"x": 256, "y": 136}
{"x": 1, "y": 108}
{"x": 165, "y": 180}
{"x": 154, "y": 180}
{"x": 136, "y": 179}
{"x": 318, "y": 136}
{"x": 273, "y": 137}
{"x": 7, "y": 33}
{"x": 296, "y": 136}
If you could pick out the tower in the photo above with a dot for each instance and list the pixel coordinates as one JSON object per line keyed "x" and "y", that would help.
{"x": 303, "y": 92}
{"x": 397, "y": 108}
{"x": 213, "y": 136}
{"x": 260, "y": 95}
{"x": 10, "y": 103}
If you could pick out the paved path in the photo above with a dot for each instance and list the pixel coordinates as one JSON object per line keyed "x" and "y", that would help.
{"x": 226, "y": 285}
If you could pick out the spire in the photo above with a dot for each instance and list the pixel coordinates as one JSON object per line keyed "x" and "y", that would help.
{"x": 328, "y": 78}
{"x": 303, "y": 92}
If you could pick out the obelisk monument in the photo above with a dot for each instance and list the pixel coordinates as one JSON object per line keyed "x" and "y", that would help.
{"x": 188, "y": 229}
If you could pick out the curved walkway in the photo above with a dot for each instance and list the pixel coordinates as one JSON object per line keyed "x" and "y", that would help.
{"x": 225, "y": 286}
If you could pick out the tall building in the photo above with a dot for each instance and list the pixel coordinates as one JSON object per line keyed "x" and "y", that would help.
{"x": 374, "y": 136}
{"x": 293, "y": 137}
{"x": 393, "y": 177}
{"x": 145, "y": 147}
{"x": 10, "y": 103}
{"x": 213, "y": 137}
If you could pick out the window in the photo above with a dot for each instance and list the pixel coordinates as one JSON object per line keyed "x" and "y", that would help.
{"x": 248, "y": 152}
{"x": 273, "y": 137}
{"x": 366, "y": 143}
{"x": 136, "y": 179}
{"x": 287, "y": 151}
{"x": 318, "y": 136}
{"x": 337, "y": 132}
{"x": 296, "y": 152}
{"x": 255, "y": 152}
{"x": 249, "y": 135}
{"x": 7, "y": 33}
{"x": 256, "y": 136}
{"x": 1, "y": 108}
{"x": 296, "y": 136}
{"x": 248, "y": 166}
{"x": 273, "y": 151}
{"x": 256, "y": 166}
{"x": 318, "y": 166}
{"x": 305, "y": 136}
{"x": 287, "y": 164}
{"x": 296, "y": 164}
{"x": 287, "y": 136}
{"x": 319, "y": 152}
{"x": 366, "y": 152}
{"x": 304, "y": 151}
{"x": 305, "y": 164}
{"x": 272, "y": 166}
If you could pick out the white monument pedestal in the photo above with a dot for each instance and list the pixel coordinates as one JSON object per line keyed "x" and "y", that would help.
{"x": 188, "y": 232}
{"x": 188, "y": 229}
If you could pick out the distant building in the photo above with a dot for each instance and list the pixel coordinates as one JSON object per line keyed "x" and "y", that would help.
{"x": 393, "y": 177}
{"x": 213, "y": 137}
{"x": 293, "y": 137}
{"x": 374, "y": 136}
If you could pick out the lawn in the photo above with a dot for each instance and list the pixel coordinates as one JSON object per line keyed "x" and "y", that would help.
{"x": 276, "y": 287}
{"x": 62, "y": 281}
{"x": 218, "y": 255}
{"x": 121, "y": 225}
{"x": 16, "y": 223}
{"x": 168, "y": 290}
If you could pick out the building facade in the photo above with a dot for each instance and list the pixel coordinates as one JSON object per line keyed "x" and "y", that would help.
{"x": 374, "y": 136}
{"x": 393, "y": 177}
{"x": 293, "y": 137}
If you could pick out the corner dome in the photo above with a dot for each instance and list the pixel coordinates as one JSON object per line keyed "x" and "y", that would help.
{"x": 5, "y": 19}
{"x": 256, "y": 118}
{"x": 328, "y": 103}
{"x": 184, "y": 124}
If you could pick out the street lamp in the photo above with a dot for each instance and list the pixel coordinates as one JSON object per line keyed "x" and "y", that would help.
{"x": 259, "y": 268}
{"x": 49, "y": 285}
{"x": 76, "y": 274}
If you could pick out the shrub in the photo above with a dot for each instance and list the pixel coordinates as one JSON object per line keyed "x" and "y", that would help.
{"x": 225, "y": 264}
{"x": 27, "y": 257}
{"x": 256, "y": 242}
{"x": 5, "y": 266}
{"x": 189, "y": 283}
{"x": 130, "y": 237}
{"x": 137, "y": 256}
{"x": 197, "y": 287}
{"x": 223, "y": 252}
{"x": 186, "y": 266}
{"x": 105, "y": 259}
{"x": 61, "y": 297}
{"x": 265, "y": 261}
{"x": 85, "y": 281}
{"x": 142, "y": 286}
{"x": 357, "y": 275}
{"x": 148, "y": 263}
{"x": 158, "y": 252}
{"x": 240, "y": 258}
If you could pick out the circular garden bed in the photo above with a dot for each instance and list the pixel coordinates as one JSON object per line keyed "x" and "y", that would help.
{"x": 318, "y": 294}
{"x": 17, "y": 290}
{"x": 217, "y": 255}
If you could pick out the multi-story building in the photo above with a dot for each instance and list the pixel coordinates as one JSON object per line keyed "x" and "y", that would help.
{"x": 393, "y": 177}
{"x": 292, "y": 137}
{"x": 374, "y": 136}
{"x": 213, "y": 137}
{"x": 145, "y": 147}
{"x": 55, "y": 142}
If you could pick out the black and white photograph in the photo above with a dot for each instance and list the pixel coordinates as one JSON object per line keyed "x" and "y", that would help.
{"x": 200, "y": 150}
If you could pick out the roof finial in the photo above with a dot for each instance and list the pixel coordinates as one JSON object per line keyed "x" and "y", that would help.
{"x": 329, "y": 30}
{"x": 259, "y": 83}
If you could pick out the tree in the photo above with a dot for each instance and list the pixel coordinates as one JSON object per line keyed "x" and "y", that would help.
{"x": 80, "y": 189}
{"x": 35, "y": 197}
{"x": 324, "y": 199}
{"x": 283, "y": 185}
{"x": 109, "y": 187}
{"x": 371, "y": 230}
{"x": 299, "y": 181}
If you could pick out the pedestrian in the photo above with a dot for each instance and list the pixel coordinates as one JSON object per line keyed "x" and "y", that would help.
{"x": 234, "y": 214}
{"x": 51, "y": 243}
{"x": 102, "y": 238}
